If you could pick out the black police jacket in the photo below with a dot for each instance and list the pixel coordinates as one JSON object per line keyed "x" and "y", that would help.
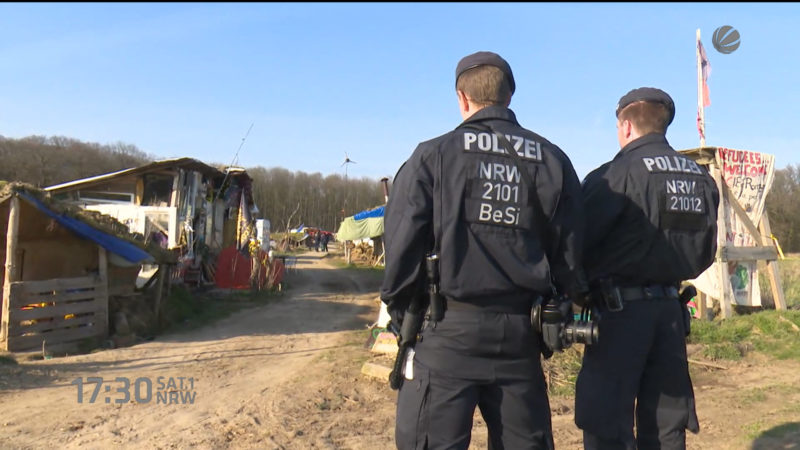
{"x": 464, "y": 189}
{"x": 651, "y": 216}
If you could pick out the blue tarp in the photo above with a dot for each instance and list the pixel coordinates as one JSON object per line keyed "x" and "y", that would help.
{"x": 109, "y": 242}
{"x": 377, "y": 212}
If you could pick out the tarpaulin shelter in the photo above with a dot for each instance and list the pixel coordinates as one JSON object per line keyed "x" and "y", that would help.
{"x": 363, "y": 225}
{"x": 367, "y": 224}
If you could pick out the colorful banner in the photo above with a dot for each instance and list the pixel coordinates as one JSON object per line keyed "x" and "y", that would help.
{"x": 749, "y": 176}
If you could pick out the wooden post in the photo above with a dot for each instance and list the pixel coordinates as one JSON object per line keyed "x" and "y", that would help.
{"x": 102, "y": 265}
{"x": 176, "y": 185}
{"x": 159, "y": 290}
{"x": 702, "y": 310}
{"x": 11, "y": 265}
{"x": 139, "y": 191}
{"x": 772, "y": 265}
{"x": 722, "y": 240}
{"x": 700, "y": 108}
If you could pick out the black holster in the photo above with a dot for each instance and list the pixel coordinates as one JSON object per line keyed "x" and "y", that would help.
{"x": 611, "y": 295}
{"x": 437, "y": 302}
{"x": 688, "y": 293}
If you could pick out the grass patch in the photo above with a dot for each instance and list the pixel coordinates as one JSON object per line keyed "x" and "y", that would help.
{"x": 781, "y": 431}
{"x": 753, "y": 430}
{"x": 774, "y": 333}
{"x": 725, "y": 350}
{"x": 790, "y": 282}
{"x": 752, "y": 396}
{"x": 340, "y": 263}
{"x": 356, "y": 337}
{"x": 562, "y": 370}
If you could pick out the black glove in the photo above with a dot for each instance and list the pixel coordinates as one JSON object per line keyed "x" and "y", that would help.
{"x": 565, "y": 308}
{"x": 582, "y": 299}
{"x": 555, "y": 314}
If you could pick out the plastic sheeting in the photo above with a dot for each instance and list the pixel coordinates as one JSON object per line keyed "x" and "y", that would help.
{"x": 351, "y": 229}
{"x": 377, "y": 212}
{"x": 109, "y": 242}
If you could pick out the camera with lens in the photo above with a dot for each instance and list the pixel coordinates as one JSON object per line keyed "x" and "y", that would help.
{"x": 555, "y": 321}
{"x": 581, "y": 332}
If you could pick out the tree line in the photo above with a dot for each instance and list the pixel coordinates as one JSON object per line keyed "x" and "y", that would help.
{"x": 297, "y": 197}
{"x": 314, "y": 200}
{"x": 783, "y": 207}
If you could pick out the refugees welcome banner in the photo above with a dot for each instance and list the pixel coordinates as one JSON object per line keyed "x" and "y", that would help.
{"x": 749, "y": 176}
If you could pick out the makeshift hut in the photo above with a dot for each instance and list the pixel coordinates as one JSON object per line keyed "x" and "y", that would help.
{"x": 365, "y": 225}
{"x": 60, "y": 264}
{"x": 185, "y": 205}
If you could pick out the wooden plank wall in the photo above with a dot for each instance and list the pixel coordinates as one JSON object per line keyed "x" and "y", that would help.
{"x": 56, "y": 311}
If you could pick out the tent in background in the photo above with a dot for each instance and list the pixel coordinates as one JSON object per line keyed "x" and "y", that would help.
{"x": 364, "y": 225}
{"x": 367, "y": 224}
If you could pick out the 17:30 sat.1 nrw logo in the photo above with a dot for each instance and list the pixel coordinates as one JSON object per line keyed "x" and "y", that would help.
{"x": 169, "y": 390}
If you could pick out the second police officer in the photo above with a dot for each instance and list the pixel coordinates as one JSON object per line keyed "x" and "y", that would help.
{"x": 652, "y": 215}
{"x": 504, "y": 227}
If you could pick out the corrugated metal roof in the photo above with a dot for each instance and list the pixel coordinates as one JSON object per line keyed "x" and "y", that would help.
{"x": 182, "y": 163}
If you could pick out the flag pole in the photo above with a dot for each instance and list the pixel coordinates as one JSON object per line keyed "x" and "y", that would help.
{"x": 701, "y": 120}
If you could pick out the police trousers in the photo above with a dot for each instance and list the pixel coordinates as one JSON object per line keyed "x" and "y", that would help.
{"x": 470, "y": 359}
{"x": 638, "y": 370}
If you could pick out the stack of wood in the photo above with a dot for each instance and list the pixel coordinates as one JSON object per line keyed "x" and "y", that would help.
{"x": 364, "y": 252}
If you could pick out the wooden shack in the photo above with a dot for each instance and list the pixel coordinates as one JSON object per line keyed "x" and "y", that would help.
{"x": 58, "y": 270}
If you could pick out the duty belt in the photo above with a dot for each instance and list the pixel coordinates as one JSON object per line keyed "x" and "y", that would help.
{"x": 508, "y": 304}
{"x": 654, "y": 292}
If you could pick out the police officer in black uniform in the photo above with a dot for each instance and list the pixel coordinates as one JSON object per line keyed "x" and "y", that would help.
{"x": 652, "y": 216}
{"x": 503, "y": 226}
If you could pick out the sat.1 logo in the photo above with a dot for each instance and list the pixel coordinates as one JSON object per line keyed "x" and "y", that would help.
{"x": 726, "y": 39}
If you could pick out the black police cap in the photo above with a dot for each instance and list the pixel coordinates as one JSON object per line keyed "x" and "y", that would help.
{"x": 485, "y": 58}
{"x": 648, "y": 94}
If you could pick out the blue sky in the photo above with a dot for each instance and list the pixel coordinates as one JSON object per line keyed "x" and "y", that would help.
{"x": 318, "y": 80}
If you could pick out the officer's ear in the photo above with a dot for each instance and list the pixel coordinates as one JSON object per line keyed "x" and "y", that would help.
{"x": 463, "y": 104}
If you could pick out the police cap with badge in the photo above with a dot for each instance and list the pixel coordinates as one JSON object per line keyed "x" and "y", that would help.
{"x": 485, "y": 59}
{"x": 647, "y": 94}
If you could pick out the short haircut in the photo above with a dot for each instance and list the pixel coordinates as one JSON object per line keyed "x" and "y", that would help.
{"x": 647, "y": 117}
{"x": 485, "y": 85}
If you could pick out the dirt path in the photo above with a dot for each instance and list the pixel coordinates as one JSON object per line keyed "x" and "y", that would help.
{"x": 287, "y": 376}
{"x": 235, "y": 366}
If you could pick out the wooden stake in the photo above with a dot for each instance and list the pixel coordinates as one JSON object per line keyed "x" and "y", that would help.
{"x": 772, "y": 266}
{"x": 707, "y": 364}
{"x": 11, "y": 265}
{"x": 102, "y": 264}
{"x": 162, "y": 269}
{"x": 701, "y": 305}
{"x": 722, "y": 241}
